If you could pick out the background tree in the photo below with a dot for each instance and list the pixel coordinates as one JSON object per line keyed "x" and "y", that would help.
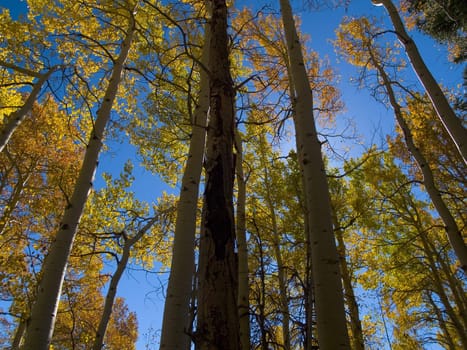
{"x": 443, "y": 20}
{"x": 445, "y": 112}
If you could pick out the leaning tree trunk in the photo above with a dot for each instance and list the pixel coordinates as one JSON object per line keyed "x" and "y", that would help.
{"x": 451, "y": 122}
{"x": 112, "y": 291}
{"x": 19, "y": 333}
{"x": 16, "y": 118}
{"x": 450, "y": 225}
{"x": 330, "y": 311}
{"x": 43, "y": 314}
{"x": 217, "y": 324}
{"x": 175, "y": 324}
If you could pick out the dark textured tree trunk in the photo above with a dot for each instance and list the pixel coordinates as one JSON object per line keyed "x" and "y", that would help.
{"x": 218, "y": 325}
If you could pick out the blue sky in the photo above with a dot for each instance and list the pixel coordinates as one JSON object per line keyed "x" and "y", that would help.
{"x": 144, "y": 292}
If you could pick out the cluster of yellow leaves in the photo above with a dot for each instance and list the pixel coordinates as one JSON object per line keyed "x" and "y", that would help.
{"x": 37, "y": 170}
{"x": 399, "y": 250}
{"x": 354, "y": 37}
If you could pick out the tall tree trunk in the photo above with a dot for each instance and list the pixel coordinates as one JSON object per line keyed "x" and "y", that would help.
{"x": 451, "y": 122}
{"x": 310, "y": 327}
{"x": 331, "y": 321}
{"x": 281, "y": 274}
{"x": 112, "y": 291}
{"x": 261, "y": 298}
{"x": 15, "y": 119}
{"x": 176, "y": 321}
{"x": 357, "y": 341}
{"x": 43, "y": 314}
{"x": 243, "y": 281}
{"x": 452, "y": 230}
{"x": 218, "y": 326}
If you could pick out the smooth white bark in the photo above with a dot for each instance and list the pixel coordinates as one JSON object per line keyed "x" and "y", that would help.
{"x": 446, "y": 114}
{"x": 43, "y": 314}
{"x": 276, "y": 242}
{"x": 330, "y": 311}
{"x": 243, "y": 281}
{"x": 175, "y": 324}
{"x": 355, "y": 323}
{"x": 15, "y": 119}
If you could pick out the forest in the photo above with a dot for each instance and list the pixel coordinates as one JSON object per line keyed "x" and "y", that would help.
{"x": 205, "y": 148}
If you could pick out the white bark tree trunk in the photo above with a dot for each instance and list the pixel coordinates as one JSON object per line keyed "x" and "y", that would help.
{"x": 355, "y": 324}
{"x": 112, "y": 292}
{"x": 43, "y": 314}
{"x": 276, "y": 242}
{"x": 175, "y": 324}
{"x": 15, "y": 119}
{"x": 17, "y": 339}
{"x": 452, "y": 230}
{"x": 451, "y": 122}
{"x": 330, "y": 311}
{"x": 243, "y": 281}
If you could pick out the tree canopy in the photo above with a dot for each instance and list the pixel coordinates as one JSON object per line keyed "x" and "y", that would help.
{"x": 277, "y": 175}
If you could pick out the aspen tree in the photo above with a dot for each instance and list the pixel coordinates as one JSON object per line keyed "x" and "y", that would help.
{"x": 450, "y": 225}
{"x": 446, "y": 114}
{"x": 15, "y": 118}
{"x": 217, "y": 324}
{"x": 331, "y": 321}
{"x": 351, "y": 301}
{"x": 360, "y": 38}
{"x": 175, "y": 324}
{"x": 276, "y": 242}
{"x": 43, "y": 314}
{"x": 112, "y": 291}
{"x": 243, "y": 281}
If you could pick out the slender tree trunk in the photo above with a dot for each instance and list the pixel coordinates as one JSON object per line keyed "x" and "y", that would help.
{"x": 13, "y": 200}
{"x": 281, "y": 274}
{"x": 15, "y": 119}
{"x": 331, "y": 321}
{"x": 218, "y": 325}
{"x": 357, "y": 341}
{"x": 452, "y": 230}
{"x": 261, "y": 318}
{"x": 243, "y": 281}
{"x": 456, "y": 287}
{"x": 112, "y": 292}
{"x": 310, "y": 327}
{"x": 451, "y": 122}
{"x": 176, "y": 322}
{"x": 442, "y": 324}
{"x": 16, "y": 343}
{"x": 457, "y": 322}
{"x": 43, "y": 314}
